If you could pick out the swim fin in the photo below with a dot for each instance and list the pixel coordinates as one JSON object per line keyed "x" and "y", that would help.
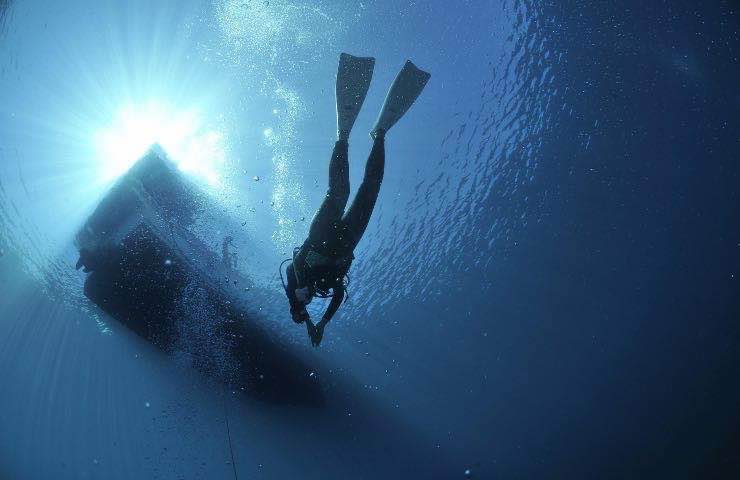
{"x": 406, "y": 88}
{"x": 353, "y": 81}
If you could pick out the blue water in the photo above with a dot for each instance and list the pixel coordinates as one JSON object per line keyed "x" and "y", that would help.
{"x": 548, "y": 287}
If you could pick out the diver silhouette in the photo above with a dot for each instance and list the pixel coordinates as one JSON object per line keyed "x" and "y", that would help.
{"x": 320, "y": 266}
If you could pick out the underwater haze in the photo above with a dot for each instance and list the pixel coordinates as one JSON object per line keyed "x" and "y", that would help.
{"x": 549, "y": 286}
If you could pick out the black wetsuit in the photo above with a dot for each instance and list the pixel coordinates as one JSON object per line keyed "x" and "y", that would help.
{"x": 325, "y": 257}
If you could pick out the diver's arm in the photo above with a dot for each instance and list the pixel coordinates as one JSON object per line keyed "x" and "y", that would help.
{"x": 316, "y": 332}
{"x": 336, "y": 302}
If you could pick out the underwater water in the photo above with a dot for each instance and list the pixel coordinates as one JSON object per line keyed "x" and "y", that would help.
{"x": 548, "y": 287}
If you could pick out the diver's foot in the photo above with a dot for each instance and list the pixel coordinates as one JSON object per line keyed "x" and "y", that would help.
{"x": 342, "y": 135}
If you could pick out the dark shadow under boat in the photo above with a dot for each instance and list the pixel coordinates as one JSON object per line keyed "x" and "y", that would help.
{"x": 148, "y": 270}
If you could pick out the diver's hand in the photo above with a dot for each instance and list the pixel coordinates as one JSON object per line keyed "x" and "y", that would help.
{"x": 311, "y": 329}
{"x": 316, "y": 332}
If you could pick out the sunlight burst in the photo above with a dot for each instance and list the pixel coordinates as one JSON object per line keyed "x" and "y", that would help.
{"x": 192, "y": 146}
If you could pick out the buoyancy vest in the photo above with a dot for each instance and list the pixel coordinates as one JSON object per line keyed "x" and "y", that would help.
{"x": 322, "y": 272}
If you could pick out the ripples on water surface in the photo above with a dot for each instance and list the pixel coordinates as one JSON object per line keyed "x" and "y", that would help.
{"x": 526, "y": 295}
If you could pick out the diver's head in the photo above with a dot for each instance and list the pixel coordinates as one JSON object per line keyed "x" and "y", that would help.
{"x": 303, "y": 295}
{"x": 301, "y": 298}
{"x": 298, "y": 296}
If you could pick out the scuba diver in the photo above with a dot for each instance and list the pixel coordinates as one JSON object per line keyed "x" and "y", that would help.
{"x": 319, "y": 267}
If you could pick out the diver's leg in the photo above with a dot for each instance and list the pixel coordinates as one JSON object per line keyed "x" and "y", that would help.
{"x": 336, "y": 196}
{"x": 358, "y": 215}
